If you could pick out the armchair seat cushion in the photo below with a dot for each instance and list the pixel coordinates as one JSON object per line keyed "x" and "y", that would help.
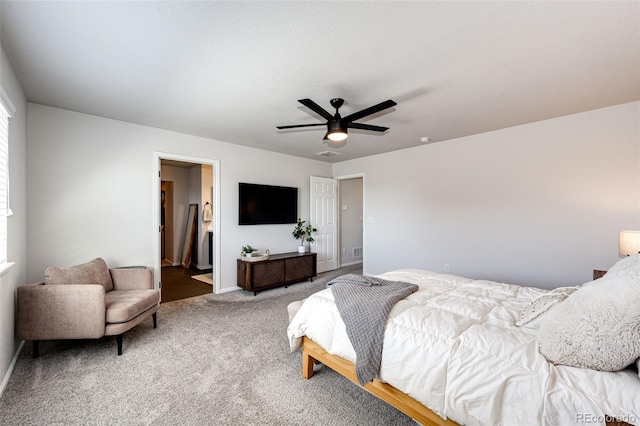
{"x": 124, "y": 305}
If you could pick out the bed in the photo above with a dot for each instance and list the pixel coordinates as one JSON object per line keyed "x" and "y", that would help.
{"x": 453, "y": 354}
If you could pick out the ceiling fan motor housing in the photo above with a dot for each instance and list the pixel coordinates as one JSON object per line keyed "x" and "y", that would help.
{"x": 337, "y": 124}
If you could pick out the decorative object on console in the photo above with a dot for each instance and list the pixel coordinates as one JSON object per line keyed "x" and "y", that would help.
{"x": 302, "y": 233}
{"x": 628, "y": 243}
{"x": 247, "y": 250}
{"x": 254, "y": 256}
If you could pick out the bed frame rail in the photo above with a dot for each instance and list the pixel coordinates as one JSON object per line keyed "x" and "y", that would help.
{"x": 312, "y": 352}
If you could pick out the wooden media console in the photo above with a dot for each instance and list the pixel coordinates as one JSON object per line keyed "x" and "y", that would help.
{"x": 277, "y": 270}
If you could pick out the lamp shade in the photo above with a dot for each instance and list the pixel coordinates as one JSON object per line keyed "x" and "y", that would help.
{"x": 628, "y": 243}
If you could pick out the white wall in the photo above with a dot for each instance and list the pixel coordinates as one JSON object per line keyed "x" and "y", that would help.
{"x": 539, "y": 204}
{"x": 91, "y": 184}
{"x": 17, "y": 224}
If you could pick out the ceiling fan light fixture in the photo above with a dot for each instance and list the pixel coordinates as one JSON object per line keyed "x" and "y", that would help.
{"x": 336, "y": 134}
{"x": 336, "y": 143}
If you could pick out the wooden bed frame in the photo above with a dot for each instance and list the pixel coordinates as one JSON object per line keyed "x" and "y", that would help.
{"x": 311, "y": 352}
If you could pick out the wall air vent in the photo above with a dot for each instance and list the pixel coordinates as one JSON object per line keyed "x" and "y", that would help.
{"x": 328, "y": 153}
{"x": 357, "y": 252}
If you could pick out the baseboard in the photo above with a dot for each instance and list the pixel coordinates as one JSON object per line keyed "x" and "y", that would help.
{"x": 7, "y": 376}
{"x": 350, "y": 263}
{"x": 230, "y": 289}
{"x": 201, "y": 267}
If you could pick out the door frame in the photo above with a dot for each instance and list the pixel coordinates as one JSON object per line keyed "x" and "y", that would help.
{"x": 155, "y": 209}
{"x": 364, "y": 222}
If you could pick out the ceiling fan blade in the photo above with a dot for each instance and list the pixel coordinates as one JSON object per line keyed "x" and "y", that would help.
{"x": 316, "y": 108}
{"x": 300, "y": 125}
{"x": 367, "y": 127}
{"x": 368, "y": 111}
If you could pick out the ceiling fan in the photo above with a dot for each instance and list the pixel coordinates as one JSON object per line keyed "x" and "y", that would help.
{"x": 337, "y": 126}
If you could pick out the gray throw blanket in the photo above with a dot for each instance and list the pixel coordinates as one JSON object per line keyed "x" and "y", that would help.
{"x": 364, "y": 304}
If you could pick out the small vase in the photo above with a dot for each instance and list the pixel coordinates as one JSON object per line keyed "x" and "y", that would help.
{"x": 302, "y": 249}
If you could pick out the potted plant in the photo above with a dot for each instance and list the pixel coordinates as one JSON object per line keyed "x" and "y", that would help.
{"x": 247, "y": 250}
{"x": 302, "y": 233}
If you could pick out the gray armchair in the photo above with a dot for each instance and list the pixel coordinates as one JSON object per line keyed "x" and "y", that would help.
{"x": 87, "y": 301}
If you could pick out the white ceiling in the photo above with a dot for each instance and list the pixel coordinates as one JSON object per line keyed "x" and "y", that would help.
{"x": 233, "y": 71}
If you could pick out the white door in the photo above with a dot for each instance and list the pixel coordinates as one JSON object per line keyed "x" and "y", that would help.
{"x": 324, "y": 220}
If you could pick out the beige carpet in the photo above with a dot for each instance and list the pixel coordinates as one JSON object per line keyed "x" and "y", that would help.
{"x": 205, "y": 278}
{"x": 213, "y": 360}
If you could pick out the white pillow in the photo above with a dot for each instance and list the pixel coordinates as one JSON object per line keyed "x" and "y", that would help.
{"x": 596, "y": 327}
{"x": 543, "y": 303}
{"x": 629, "y": 265}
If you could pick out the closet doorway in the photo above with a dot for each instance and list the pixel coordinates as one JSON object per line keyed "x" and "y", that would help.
{"x": 186, "y": 224}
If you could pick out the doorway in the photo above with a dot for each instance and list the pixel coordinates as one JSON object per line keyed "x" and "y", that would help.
{"x": 337, "y": 217}
{"x": 351, "y": 220}
{"x": 184, "y": 183}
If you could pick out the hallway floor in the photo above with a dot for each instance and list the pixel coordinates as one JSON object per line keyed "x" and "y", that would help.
{"x": 177, "y": 283}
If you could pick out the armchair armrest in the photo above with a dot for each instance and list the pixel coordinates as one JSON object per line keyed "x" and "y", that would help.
{"x": 131, "y": 278}
{"x": 67, "y": 311}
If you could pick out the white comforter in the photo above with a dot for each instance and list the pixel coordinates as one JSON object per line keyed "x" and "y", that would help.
{"x": 453, "y": 346}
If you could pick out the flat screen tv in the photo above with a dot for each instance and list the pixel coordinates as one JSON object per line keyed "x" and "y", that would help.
{"x": 267, "y": 204}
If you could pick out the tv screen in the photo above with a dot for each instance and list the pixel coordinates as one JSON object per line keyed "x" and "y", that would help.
{"x": 267, "y": 204}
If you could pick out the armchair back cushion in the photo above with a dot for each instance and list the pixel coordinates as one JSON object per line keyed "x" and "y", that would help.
{"x": 131, "y": 278}
{"x": 94, "y": 272}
